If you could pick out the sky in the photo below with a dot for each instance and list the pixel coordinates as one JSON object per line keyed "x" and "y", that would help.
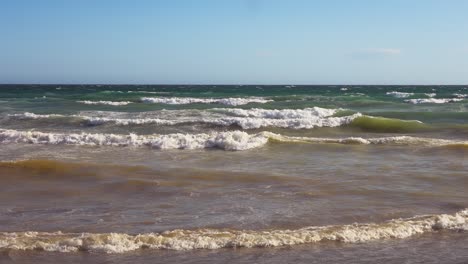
{"x": 234, "y": 41}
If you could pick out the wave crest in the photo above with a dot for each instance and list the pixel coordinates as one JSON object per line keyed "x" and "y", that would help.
{"x": 399, "y": 94}
{"x": 219, "y": 238}
{"x": 313, "y": 112}
{"x": 104, "y": 103}
{"x": 434, "y": 100}
{"x": 245, "y": 118}
{"x": 192, "y": 100}
{"x": 231, "y": 140}
{"x": 381, "y": 124}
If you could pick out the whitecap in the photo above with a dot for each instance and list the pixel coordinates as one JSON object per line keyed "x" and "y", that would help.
{"x": 104, "y": 103}
{"x": 399, "y": 94}
{"x": 181, "y": 239}
{"x": 433, "y": 100}
{"x": 230, "y": 140}
{"x": 307, "y": 118}
{"x": 192, "y": 100}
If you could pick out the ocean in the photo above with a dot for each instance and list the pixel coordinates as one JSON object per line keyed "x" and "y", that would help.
{"x": 233, "y": 173}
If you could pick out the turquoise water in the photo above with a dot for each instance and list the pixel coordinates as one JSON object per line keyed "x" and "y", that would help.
{"x": 447, "y": 111}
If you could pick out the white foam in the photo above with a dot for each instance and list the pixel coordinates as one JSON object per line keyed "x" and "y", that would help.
{"x": 285, "y": 118}
{"x": 460, "y": 95}
{"x": 245, "y": 118}
{"x": 104, "y": 103}
{"x": 243, "y": 122}
{"x": 191, "y": 100}
{"x": 225, "y": 238}
{"x": 400, "y": 94}
{"x": 433, "y": 100}
{"x": 293, "y": 123}
{"x": 280, "y": 114}
{"x": 28, "y": 115}
{"x": 129, "y": 121}
{"x": 430, "y": 94}
{"x": 397, "y": 140}
{"x": 231, "y": 140}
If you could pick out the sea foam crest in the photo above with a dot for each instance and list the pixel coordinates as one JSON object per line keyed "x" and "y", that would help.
{"x": 192, "y": 100}
{"x": 399, "y": 94}
{"x": 280, "y": 114}
{"x": 245, "y": 118}
{"x": 294, "y": 123}
{"x": 28, "y": 115}
{"x": 285, "y": 118}
{"x": 231, "y": 140}
{"x": 433, "y": 100}
{"x": 129, "y": 121}
{"x": 460, "y": 95}
{"x": 396, "y": 140}
{"x": 104, "y": 103}
{"x": 216, "y": 238}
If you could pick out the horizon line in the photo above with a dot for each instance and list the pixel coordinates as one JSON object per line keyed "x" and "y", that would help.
{"x": 238, "y": 84}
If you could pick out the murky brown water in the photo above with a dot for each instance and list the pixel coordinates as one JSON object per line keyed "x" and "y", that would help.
{"x": 273, "y": 189}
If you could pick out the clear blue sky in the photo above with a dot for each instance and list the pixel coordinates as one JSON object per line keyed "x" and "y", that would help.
{"x": 234, "y": 41}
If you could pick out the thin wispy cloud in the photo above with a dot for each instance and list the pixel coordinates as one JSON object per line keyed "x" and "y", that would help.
{"x": 370, "y": 53}
{"x": 383, "y": 51}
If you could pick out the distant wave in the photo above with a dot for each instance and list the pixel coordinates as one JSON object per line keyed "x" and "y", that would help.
{"x": 433, "y": 100}
{"x": 104, "y": 103}
{"x": 306, "y": 113}
{"x": 181, "y": 239}
{"x": 307, "y": 118}
{"x": 111, "y": 91}
{"x": 286, "y": 118}
{"x": 192, "y": 100}
{"x": 229, "y": 140}
{"x": 244, "y": 118}
{"x": 28, "y": 115}
{"x": 399, "y": 94}
{"x": 148, "y": 92}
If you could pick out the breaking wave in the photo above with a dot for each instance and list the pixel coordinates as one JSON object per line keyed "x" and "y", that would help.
{"x": 399, "y": 94}
{"x": 28, "y": 115}
{"x": 104, "y": 103}
{"x": 192, "y": 100}
{"x": 396, "y": 140}
{"x": 229, "y": 140}
{"x": 226, "y": 238}
{"x": 246, "y": 119}
{"x": 433, "y": 100}
{"x": 313, "y": 112}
